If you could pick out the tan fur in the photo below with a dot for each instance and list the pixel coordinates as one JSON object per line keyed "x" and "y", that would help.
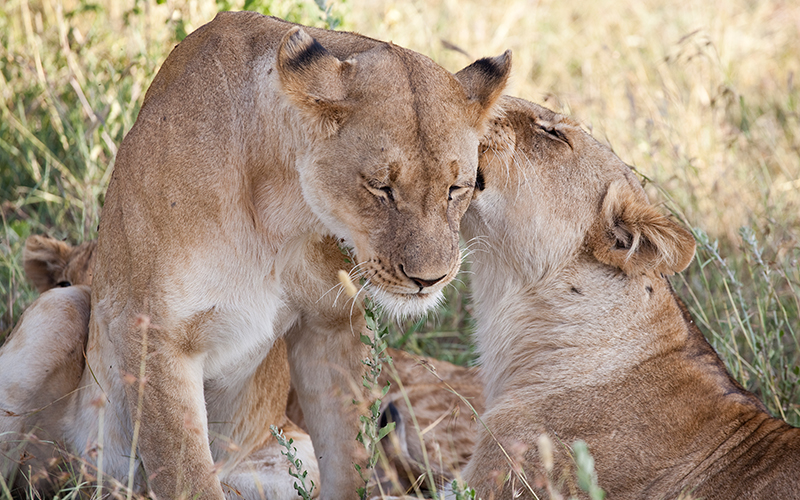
{"x": 256, "y": 137}
{"x": 420, "y": 386}
{"x": 50, "y": 342}
{"x": 49, "y": 263}
{"x": 41, "y": 363}
{"x": 425, "y": 402}
{"x": 37, "y": 375}
{"x": 582, "y": 337}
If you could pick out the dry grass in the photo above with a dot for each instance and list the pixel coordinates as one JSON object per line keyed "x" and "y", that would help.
{"x": 700, "y": 96}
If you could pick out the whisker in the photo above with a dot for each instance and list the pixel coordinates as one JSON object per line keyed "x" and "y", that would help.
{"x": 476, "y": 243}
{"x": 481, "y": 238}
{"x": 353, "y": 304}
{"x": 338, "y": 294}
{"x": 356, "y": 270}
{"x": 485, "y": 248}
{"x": 353, "y": 275}
{"x": 329, "y": 291}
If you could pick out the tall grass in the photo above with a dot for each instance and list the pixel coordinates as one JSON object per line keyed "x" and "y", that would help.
{"x": 71, "y": 87}
{"x": 72, "y": 77}
{"x": 699, "y": 95}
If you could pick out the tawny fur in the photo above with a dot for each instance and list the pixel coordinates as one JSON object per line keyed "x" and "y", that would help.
{"x": 256, "y": 138}
{"x": 433, "y": 404}
{"x": 49, "y": 341}
{"x": 38, "y": 373}
{"x": 49, "y": 263}
{"x": 582, "y": 337}
{"x": 420, "y": 386}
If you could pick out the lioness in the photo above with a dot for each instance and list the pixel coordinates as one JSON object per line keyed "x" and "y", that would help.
{"x": 255, "y": 136}
{"x": 49, "y": 342}
{"x": 50, "y": 339}
{"x": 582, "y": 337}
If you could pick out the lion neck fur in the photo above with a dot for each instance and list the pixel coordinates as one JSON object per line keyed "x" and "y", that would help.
{"x": 562, "y": 331}
{"x": 626, "y": 369}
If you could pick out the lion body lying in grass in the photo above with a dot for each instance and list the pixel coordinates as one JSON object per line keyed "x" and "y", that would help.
{"x": 581, "y": 335}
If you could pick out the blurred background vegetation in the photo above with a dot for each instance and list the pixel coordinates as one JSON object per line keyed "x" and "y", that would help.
{"x": 699, "y": 95}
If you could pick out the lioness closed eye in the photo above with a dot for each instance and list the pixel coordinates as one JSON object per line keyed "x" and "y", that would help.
{"x": 582, "y": 337}
{"x": 255, "y": 137}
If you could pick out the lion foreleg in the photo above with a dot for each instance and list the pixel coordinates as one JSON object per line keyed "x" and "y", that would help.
{"x": 325, "y": 359}
{"x": 165, "y": 399}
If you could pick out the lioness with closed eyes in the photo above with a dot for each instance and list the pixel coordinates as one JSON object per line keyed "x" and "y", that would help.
{"x": 255, "y": 138}
{"x": 581, "y": 335}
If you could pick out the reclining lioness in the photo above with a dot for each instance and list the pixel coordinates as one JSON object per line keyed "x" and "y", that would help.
{"x": 582, "y": 337}
{"x": 254, "y": 137}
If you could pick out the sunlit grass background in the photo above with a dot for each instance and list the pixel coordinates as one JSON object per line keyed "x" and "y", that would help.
{"x": 700, "y": 96}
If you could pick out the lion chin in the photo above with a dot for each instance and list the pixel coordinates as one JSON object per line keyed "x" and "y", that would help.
{"x": 399, "y": 306}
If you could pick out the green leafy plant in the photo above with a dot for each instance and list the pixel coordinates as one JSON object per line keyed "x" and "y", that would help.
{"x": 296, "y": 469}
{"x": 587, "y": 476}
{"x": 371, "y": 432}
{"x": 748, "y": 306}
{"x": 462, "y": 491}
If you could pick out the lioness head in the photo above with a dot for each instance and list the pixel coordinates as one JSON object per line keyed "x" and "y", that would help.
{"x": 392, "y": 161}
{"x": 551, "y": 195}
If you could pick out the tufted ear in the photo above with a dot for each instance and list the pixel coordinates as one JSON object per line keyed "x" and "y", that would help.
{"x": 43, "y": 259}
{"x": 633, "y": 236}
{"x": 484, "y": 81}
{"x": 313, "y": 79}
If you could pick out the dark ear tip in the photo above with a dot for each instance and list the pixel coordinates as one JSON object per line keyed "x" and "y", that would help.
{"x": 300, "y": 49}
{"x": 495, "y": 68}
{"x": 503, "y": 62}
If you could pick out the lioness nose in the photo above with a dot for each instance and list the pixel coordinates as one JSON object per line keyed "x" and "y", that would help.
{"x": 420, "y": 282}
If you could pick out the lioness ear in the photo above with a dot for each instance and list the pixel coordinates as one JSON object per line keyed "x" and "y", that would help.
{"x": 313, "y": 79}
{"x": 43, "y": 259}
{"x": 633, "y": 236}
{"x": 484, "y": 80}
